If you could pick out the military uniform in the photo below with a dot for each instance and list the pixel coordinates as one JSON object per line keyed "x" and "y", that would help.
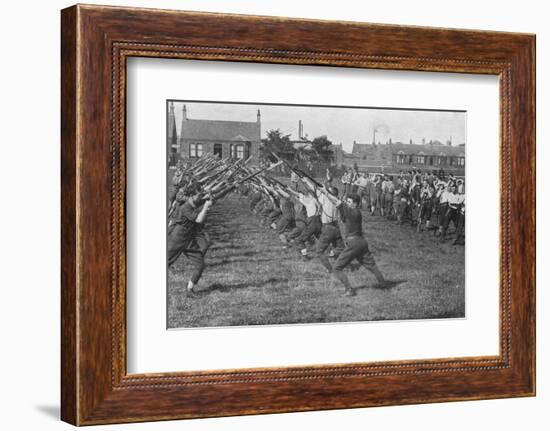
{"x": 188, "y": 237}
{"x": 300, "y": 220}
{"x": 286, "y": 221}
{"x": 330, "y": 232}
{"x": 356, "y": 248}
{"x": 425, "y": 215}
{"x": 388, "y": 198}
{"x": 313, "y": 223}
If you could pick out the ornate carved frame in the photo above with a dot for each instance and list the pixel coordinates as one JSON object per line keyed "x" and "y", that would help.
{"x": 95, "y": 42}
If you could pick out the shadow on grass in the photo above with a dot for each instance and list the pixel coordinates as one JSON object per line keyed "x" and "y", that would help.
{"x": 230, "y": 262}
{"x": 235, "y": 286}
{"x": 388, "y": 285}
{"x": 231, "y": 247}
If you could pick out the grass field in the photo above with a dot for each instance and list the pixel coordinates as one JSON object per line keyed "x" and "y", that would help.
{"x": 251, "y": 279}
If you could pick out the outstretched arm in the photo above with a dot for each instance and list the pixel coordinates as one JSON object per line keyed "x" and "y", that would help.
{"x": 202, "y": 214}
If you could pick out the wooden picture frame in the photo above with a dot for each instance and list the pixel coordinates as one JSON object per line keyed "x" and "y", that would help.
{"x": 95, "y": 43}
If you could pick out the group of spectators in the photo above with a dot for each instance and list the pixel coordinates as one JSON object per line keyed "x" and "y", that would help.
{"x": 429, "y": 201}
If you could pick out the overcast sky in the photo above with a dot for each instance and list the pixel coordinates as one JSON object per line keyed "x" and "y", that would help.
{"x": 340, "y": 125}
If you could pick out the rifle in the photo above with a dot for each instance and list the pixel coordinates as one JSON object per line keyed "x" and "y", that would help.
{"x": 232, "y": 186}
{"x": 212, "y": 178}
{"x": 214, "y": 175}
{"x": 314, "y": 185}
{"x": 301, "y": 174}
{"x": 275, "y": 186}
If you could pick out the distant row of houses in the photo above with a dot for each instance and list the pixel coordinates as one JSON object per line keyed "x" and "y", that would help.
{"x": 241, "y": 139}
{"x": 396, "y": 156}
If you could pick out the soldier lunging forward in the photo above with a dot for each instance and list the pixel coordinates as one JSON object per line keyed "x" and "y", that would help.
{"x": 356, "y": 245}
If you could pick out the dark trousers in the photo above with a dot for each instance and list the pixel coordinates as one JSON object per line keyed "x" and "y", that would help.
{"x": 376, "y": 200}
{"x": 194, "y": 250}
{"x": 300, "y": 225}
{"x": 441, "y": 210}
{"x": 285, "y": 223}
{"x": 362, "y": 193}
{"x": 404, "y": 210}
{"x": 425, "y": 211}
{"x": 313, "y": 228}
{"x": 330, "y": 235}
{"x": 346, "y": 189}
{"x": 274, "y": 215}
{"x": 388, "y": 203}
{"x": 415, "y": 212}
{"x": 450, "y": 215}
{"x": 357, "y": 249}
{"x": 460, "y": 228}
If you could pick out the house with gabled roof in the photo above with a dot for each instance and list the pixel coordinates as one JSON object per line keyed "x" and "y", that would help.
{"x": 237, "y": 139}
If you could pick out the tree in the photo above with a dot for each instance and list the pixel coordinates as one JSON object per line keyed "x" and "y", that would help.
{"x": 321, "y": 146}
{"x": 277, "y": 143}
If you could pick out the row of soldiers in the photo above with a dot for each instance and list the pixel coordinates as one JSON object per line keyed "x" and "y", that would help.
{"x": 195, "y": 188}
{"x": 312, "y": 217}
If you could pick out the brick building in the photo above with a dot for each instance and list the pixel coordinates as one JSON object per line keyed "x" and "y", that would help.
{"x": 238, "y": 139}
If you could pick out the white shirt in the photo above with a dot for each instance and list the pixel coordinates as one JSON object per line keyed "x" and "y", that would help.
{"x": 446, "y": 197}
{"x": 362, "y": 182}
{"x": 311, "y": 205}
{"x": 329, "y": 213}
{"x": 457, "y": 200}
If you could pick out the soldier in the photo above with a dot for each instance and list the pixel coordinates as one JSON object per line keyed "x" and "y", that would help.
{"x": 356, "y": 247}
{"x": 374, "y": 193}
{"x": 415, "y": 199}
{"x": 345, "y": 181}
{"x": 286, "y": 221}
{"x": 313, "y": 223}
{"x": 300, "y": 218}
{"x": 383, "y": 184}
{"x": 459, "y": 240}
{"x": 330, "y": 232}
{"x": 353, "y": 181}
{"x": 264, "y": 208}
{"x": 460, "y": 188}
{"x": 426, "y": 197}
{"x": 448, "y": 211}
{"x": 362, "y": 184}
{"x": 179, "y": 200}
{"x": 388, "y": 197}
{"x": 404, "y": 197}
{"x": 438, "y": 207}
{"x": 187, "y": 235}
{"x": 254, "y": 198}
{"x": 397, "y": 197}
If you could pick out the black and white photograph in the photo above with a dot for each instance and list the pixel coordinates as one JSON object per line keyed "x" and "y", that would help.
{"x": 286, "y": 214}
